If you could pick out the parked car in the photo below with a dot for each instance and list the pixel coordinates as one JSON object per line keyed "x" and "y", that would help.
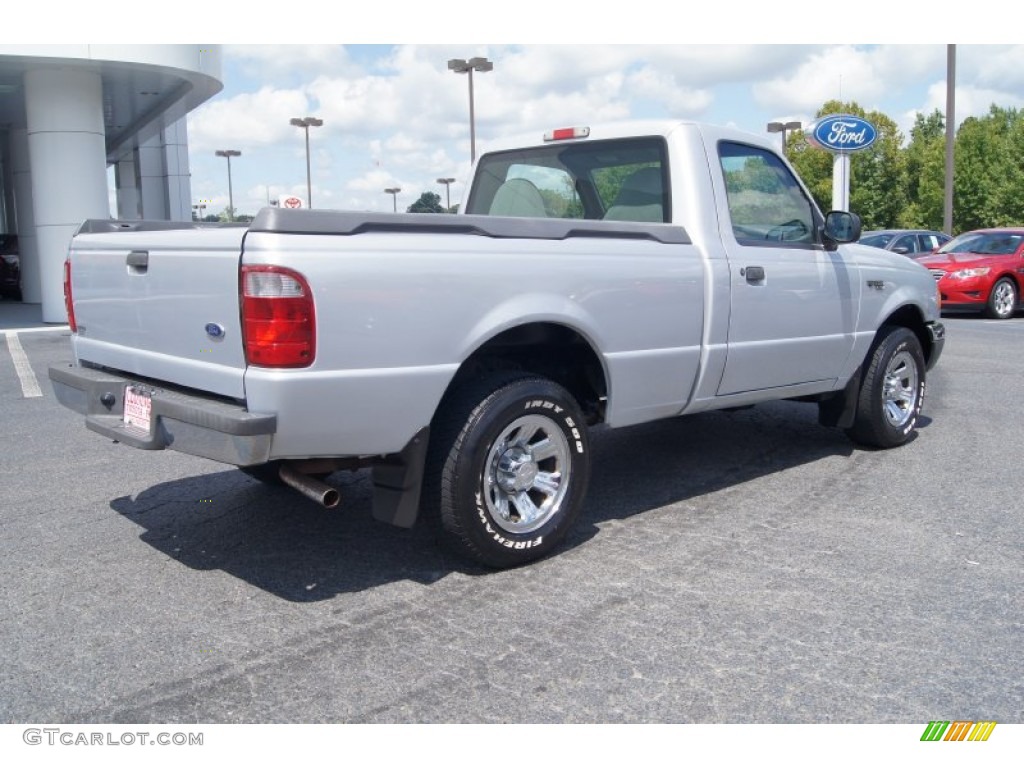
{"x": 10, "y": 268}
{"x": 980, "y": 270}
{"x": 910, "y": 242}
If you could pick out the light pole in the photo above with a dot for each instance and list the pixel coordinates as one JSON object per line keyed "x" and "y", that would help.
{"x": 782, "y": 128}
{"x": 393, "y": 191}
{"x": 447, "y": 192}
{"x": 463, "y": 67}
{"x": 199, "y": 208}
{"x": 305, "y": 123}
{"x": 947, "y": 197}
{"x": 229, "y": 153}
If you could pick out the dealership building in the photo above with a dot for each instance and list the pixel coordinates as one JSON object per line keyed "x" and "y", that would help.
{"x": 68, "y": 114}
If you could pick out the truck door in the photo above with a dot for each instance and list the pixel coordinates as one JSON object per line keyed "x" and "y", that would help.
{"x": 792, "y": 301}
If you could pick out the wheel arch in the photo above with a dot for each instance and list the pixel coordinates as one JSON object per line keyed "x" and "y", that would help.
{"x": 552, "y": 349}
{"x": 909, "y": 316}
{"x": 1013, "y": 278}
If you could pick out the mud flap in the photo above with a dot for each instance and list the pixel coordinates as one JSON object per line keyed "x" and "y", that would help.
{"x": 841, "y": 409}
{"x": 397, "y": 483}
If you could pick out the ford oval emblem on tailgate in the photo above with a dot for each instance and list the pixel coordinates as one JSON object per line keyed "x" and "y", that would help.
{"x": 215, "y": 330}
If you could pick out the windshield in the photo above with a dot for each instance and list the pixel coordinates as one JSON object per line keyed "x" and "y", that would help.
{"x": 989, "y": 243}
{"x": 877, "y": 241}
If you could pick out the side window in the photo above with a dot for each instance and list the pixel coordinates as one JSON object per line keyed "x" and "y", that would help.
{"x": 906, "y": 244}
{"x": 766, "y": 203}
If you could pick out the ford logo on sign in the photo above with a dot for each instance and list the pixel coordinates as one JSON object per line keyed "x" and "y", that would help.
{"x": 842, "y": 133}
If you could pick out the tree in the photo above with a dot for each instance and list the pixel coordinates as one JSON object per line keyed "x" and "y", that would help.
{"x": 892, "y": 186}
{"x": 926, "y": 173}
{"x": 989, "y": 182}
{"x": 429, "y": 202}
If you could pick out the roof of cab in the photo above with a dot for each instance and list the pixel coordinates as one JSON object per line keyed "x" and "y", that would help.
{"x": 613, "y": 130}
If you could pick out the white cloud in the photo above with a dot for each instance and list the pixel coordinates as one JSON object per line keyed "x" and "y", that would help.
{"x": 970, "y": 101}
{"x": 864, "y": 75}
{"x": 246, "y": 120}
{"x": 997, "y": 67}
{"x": 662, "y": 87}
{"x": 396, "y": 115}
{"x": 277, "y": 61}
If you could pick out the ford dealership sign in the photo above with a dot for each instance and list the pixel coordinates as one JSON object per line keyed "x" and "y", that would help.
{"x": 842, "y": 133}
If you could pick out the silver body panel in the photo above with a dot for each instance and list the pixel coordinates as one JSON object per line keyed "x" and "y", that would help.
{"x": 151, "y": 321}
{"x": 677, "y": 329}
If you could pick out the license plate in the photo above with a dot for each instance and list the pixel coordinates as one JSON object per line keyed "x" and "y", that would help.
{"x": 138, "y": 408}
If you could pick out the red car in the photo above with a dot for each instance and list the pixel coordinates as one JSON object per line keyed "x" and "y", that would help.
{"x": 981, "y": 270}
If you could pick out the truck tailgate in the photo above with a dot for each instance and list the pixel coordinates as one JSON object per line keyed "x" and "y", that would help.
{"x": 160, "y": 302}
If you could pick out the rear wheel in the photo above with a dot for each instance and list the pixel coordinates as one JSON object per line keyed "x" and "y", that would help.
{"x": 1002, "y": 301}
{"x": 892, "y": 390}
{"x": 507, "y": 469}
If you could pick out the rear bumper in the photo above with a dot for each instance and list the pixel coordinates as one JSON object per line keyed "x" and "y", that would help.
{"x": 180, "y": 420}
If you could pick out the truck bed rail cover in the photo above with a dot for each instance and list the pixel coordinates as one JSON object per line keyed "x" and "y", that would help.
{"x": 283, "y": 220}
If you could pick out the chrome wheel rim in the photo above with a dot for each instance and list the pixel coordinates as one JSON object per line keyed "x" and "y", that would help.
{"x": 1003, "y": 299}
{"x": 527, "y": 473}
{"x": 900, "y": 389}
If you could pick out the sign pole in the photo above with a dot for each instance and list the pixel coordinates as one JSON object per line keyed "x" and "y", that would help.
{"x": 841, "y": 182}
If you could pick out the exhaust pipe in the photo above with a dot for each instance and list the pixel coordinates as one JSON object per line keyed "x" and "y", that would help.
{"x": 323, "y": 494}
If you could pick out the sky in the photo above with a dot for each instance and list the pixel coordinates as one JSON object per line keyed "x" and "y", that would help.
{"x": 394, "y": 116}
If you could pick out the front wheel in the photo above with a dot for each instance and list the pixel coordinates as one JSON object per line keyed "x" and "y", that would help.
{"x": 892, "y": 390}
{"x": 507, "y": 469}
{"x": 1002, "y": 301}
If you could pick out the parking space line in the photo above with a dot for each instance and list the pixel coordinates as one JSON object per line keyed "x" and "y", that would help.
{"x": 40, "y": 330}
{"x": 29, "y": 384}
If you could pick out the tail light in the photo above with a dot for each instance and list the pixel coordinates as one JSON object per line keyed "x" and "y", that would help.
{"x": 69, "y": 303}
{"x": 278, "y": 321}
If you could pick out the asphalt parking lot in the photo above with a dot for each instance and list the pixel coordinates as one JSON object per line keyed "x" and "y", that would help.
{"x": 729, "y": 568}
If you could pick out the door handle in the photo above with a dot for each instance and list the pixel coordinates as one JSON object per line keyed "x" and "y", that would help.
{"x": 753, "y": 274}
{"x": 138, "y": 262}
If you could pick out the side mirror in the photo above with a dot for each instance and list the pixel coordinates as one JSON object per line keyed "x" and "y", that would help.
{"x": 842, "y": 226}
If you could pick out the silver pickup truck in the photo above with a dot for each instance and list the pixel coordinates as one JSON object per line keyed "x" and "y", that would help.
{"x": 614, "y": 275}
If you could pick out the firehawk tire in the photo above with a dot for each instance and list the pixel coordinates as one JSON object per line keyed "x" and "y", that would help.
{"x": 892, "y": 390}
{"x": 507, "y": 468}
{"x": 1002, "y": 301}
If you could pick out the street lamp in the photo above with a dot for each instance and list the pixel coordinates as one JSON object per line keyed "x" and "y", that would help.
{"x": 447, "y": 192}
{"x": 229, "y": 153}
{"x": 782, "y": 128}
{"x": 393, "y": 191}
{"x": 463, "y": 67}
{"x": 305, "y": 123}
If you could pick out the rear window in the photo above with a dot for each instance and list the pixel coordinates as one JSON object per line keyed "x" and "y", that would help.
{"x": 623, "y": 180}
